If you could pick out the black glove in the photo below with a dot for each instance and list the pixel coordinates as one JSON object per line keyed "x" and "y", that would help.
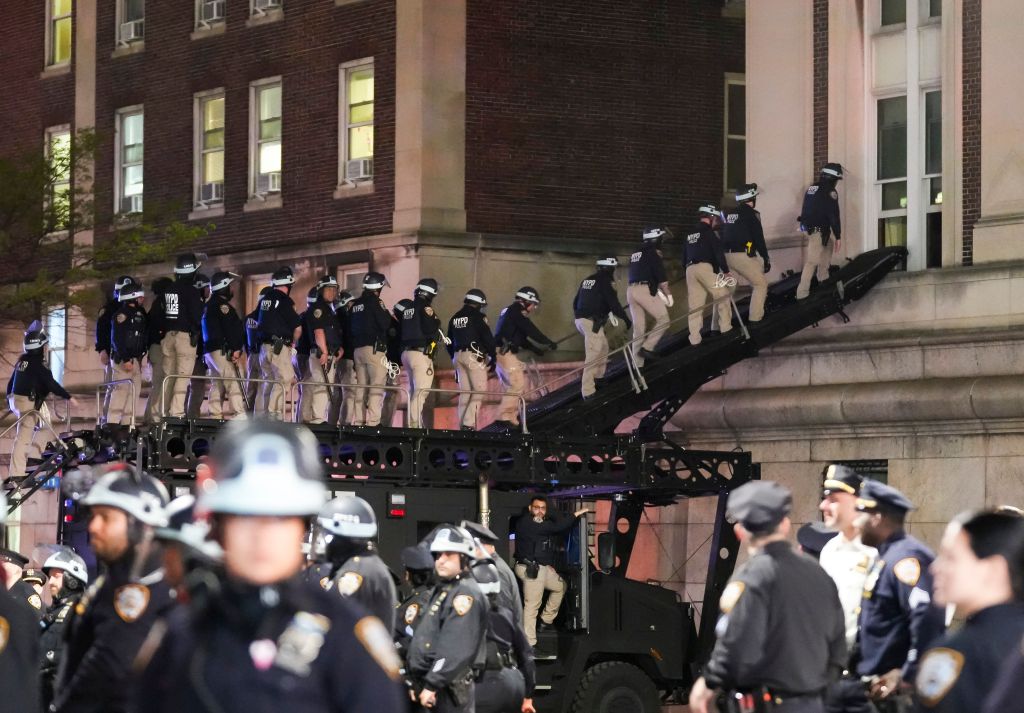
{"x": 629, "y": 323}
{"x": 767, "y": 265}
{"x": 552, "y": 346}
{"x": 492, "y": 366}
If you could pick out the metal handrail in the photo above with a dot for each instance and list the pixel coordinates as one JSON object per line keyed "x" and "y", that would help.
{"x": 105, "y": 387}
{"x": 210, "y": 377}
{"x": 42, "y": 420}
{"x": 346, "y": 385}
{"x": 519, "y": 397}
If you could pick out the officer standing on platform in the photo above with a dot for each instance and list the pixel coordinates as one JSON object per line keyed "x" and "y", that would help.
{"x": 449, "y": 642}
{"x": 421, "y": 330}
{"x": 114, "y": 617}
{"x": 394, "y": 363}
{"x": 154, "y": 353}
{"x": 349, "y": 527}
{"x": 261, "y": 637}
{"x": 223, "y": 340}
{"x": 129, "y": 340}
{"x": 897, "y": 619}
{"x": 371, "y": 323}
{"x": 197, "y": 387}
{"x": 103, "y": 322}
{"x": 596, "y": 302}
{"x": 819, "y": 218}
{"x": 781, "y": 635}
{"x": 419, "y": 574}
{"x": 180, "y": 312}
{"x": 19, "y": 655}
{"x": 279, "y": 327}
{"x": 746, "y": 252}
{"x": 253, "y": 344}
{"x": 473, "y": 352}
{"x": 648, "y": 294}
{"x": 301, "y": 360}
{"x": 706, "y": 272}
{"x": 325, "y": 345}
{"x": 516, "y": 331}
{"x": 343, "y": 409}
{"x": 29, "y": 386}
{"x": 67, "y": 579}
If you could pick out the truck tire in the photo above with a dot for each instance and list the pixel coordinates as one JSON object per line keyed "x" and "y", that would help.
{"x": 616, "y": 687}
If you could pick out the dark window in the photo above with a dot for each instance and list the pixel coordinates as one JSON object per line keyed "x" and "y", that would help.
{"x": 892, "y": 137}
{"x": 934, "y": 8}
{"x": 933, "y": 132}
{"x": 894, "y": 12}
{"x": 933, "y": 239}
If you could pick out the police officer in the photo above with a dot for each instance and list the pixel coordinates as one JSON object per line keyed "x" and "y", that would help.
{"x": 67, "y": 577}
{"x": 253, "y": 344}
{"x": 448, "y": 644}
{"x": 394, "y": 361}
{"x": 897, "y": 619}
{"x": 781, "y": 636}
{"x": 507, "y": 682}
{"x": 301, "y": 360}
{"x": 13, "y": 564}
{"x": 197, "y": 386}
{"x": 129, "y": 341}
{"x": 185, "y": 545}
{"x": 596, "y": 303}
{"x": 348, "y": 409}
{"x": 19, "y": 653}
{"x": 180, "y": 311}
{"x": 746, "y": 252}
{"x": 515, "y": 330}
{"x": 819, "y": 218}
{"x": 421, "y": 331}
{"x": 154, "y": 352}
{"x": 35, "y": 579}
{"x": 259, "y": 636}
{"x": 325, "y": 344}
{"x": 349, "y": 527}
{"x": 419, "y": 576}
{"x": 371, "y": 323}
{"x": 223, "y": 340}
{"x": 114, "y": 616}
{"x": 508, "y": 597}
{"x": 976, "y": 570}
{"x": 706, "y": 274}
{"x": 648, "y": 294}
{"x": 279, "y": 328}
{"x": 29, "y": 386}
{"x": 473, "y": 352}
{"x": 103, "y": 321}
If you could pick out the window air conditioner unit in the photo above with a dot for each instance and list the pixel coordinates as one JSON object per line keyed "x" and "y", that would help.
{"x": 211, "y": 193}
{"x": 268, "y": 183}
{"x": 131, "y": 31}
{"x": 260, "y": 7}
{"x": 359, "y": 169}
{"x": 211, "y": 11}
{"x": 132, "y": 204}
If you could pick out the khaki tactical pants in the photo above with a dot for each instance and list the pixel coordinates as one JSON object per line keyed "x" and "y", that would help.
{"x": 533, "y": 592}
{"x": 278, "y": 369}
{"x": 318, "y": 397}
{"x": 471, "y": 371}
{"x": 220, "y": 365}
{"x": 701, "y": 281}
{"x": 252, "y": 387}
{"x": 156, "y": 363}
{"x": 392, "y": 398}
{"x": 122, "y": 395}
{"x": 371, "y": 373}
{"x": 108, "y": 375}
{"x": 352, "y": 400}
{"x": 420, "y": 369}
{"x": 595, "y": 354}
{"x": 300, "y": 364}
{"x": 196, "y": 388}
{"x": 513, "y": 380}
{"x": 179, "y": 358}
{"x": 641, "y": 304}
{"x": 751, "y": 269}
{"x": 26, "y": 431}
{"x": 816, "y": 262}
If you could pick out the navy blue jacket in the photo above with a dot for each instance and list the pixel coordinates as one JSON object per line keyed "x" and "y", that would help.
{"x": 821, "y": 210}
{"x": 646, "y": 265}
{"x": 703, "y": 245}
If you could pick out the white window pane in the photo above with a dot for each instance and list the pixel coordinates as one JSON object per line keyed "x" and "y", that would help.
{"x": 270, "y": 101}
{"x": 213, "y": 167}
{"x": 270, "y": 157}
{"x": 132, "y": 180}
{"x": 133, "y": 154}
{"x": 360, "y": 142}
{"x": 360, "y": 86}
{"x": 131, "y": 129}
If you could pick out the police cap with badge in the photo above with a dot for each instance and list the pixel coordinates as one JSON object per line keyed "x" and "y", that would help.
{"x": 841, "y": 479}
{"x": 879, "y": 497}
{"x": 484, "y": 534}
{"x": 15, "y": 558}
{"x": 759, "y": 506}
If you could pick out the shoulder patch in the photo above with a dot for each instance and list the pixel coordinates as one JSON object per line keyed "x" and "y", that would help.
{"x": 938, "y": 673}
{"x": 120, "y": 317}
{"x": 377, "y": 641}
{"x": 5, "y": 633}
{"x": 35, "y": 601}
{"x": 325, "y": 583}
{"x": 130, "y": 601}
{"x": 349, "y": 583}
{"x": 318, "y": 313}
{"x": 462, "y": 604}
{"x": 410, "y": 613}
{"x": 731, "y": 595}
{"x": 225, "y": 309}
{"x": 908, "y": 570}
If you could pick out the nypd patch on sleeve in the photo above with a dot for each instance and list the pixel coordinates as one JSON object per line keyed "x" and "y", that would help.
{"x": 130, "y": 601}
{"x": 938, "y": 673}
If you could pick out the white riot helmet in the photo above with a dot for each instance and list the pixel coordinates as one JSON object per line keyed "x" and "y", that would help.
{"x": 348, "y": 516}
{"x": 70, "y": 562}
{"x": 453, "y": 539}
{"x": 143, "y": 497}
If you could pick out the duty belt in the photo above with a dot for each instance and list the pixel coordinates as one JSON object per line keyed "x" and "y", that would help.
{"x": 286, "y": 342}
{"x": 641, "y": 282}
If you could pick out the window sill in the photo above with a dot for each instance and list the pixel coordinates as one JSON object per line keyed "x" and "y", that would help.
{"x": 351, "y": 190}
{"x": 202, "y": 33}
{"x": 257, "y": 204}
{"x": 126, "y": 221}
{"x": 274, "y": 15}
{"x": 200, "y": 213}
{"x": 56, "y": 70}
{"x": 339, "y": 3}
{"x": 56, "y": 236}
{"x": 896, "y": 29}
{"x": 127, "y": 50}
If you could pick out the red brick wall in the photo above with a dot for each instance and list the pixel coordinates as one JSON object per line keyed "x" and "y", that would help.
{"x": 820, "y": 84}
{"x": 971, "y": 119}
{"x": 594, "y": 118}
{"x": 305, "y": 49}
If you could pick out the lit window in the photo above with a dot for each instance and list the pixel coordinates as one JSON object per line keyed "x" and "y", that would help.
{"x": 892, "y": 171}
{"x": 265, "y": 159}
{"x": 59, "y": 49}
{"x": 129, "y": 161}
{"x": 56, "y": 331}
{"x": 735, "y": 132}
{"x": 210, "y": 148}
{"x": 57, "y": 202}
{"x": 131, "y": 25}
{"x": 356, "y": 82}
{"x": 894, "y": 12}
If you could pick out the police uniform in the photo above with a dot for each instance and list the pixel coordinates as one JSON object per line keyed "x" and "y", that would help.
{"x": 396, "y": 375}
{"x": 514, "y": 331}
{"x": 22, "y": 591}
{"x": 416, "y": 560}
{"x": 27, "y": 389}
{"x": 154, "y": 352}
{"x": 223, "y": 337}
{"x": 646, "y": 273}
{"x": 420, "y": 327}
{"x": 290, "y": 646}
{"x": 368, "y": 581}
{"x": 181, "y": 312}
{"x": 252, "y": 357}
{"x": 509, "y": 674}
{"x": 746, "y": 254}
{"x": 704, "y": 261}
{"x": 1007, "y": 693}
{"x": 103, "y": 321}
{"x": 897, "y": 619}
{"x": 129, "y": 340}
{"x": 962, "y": 668}
{"x": 472, "y": 350}
{"x": 508, "y": 597}
{"x": 370, "y": 324}
{"x": 595, "y": 300}
{"x": 781, "y": 633}
{"x": 537, "y": 543}
{"x": 277, "y": 323}
{"x": 448, "y": 643}
{"x": 350, "y": 409}
{"x": 819, "y": 218}
{"x": 105, "y": 632}
{"x": 197, "y": 386}
{"x": 301, "y": 364}
{"x": 19, "y": 654}
{"x": 52, "y": 643}
{"x": 321, "y": 315}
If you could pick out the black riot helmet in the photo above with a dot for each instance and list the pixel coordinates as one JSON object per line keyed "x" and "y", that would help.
{"x": 832, "y": 171}
{"x": 347, "y": 524}
{"x": 748, "y": 192}
{"x": 401, "y": 306}
{"x": 528, "y": 294}
{"x": 311, "y": 296}
{"x": 120, "y": 282}
{"x": 485, "y": 572}
{"x": 282, "y": 277}
{"x": 475, "y": 298}
{"x": 201, "y": 281}
{"x": 607, "y": 264}
{"x": 35, "y": 337}
{"x": 344, "y": 297}
{"x": 186, "y": 264}
{"x": 325, "y": 282}
{"x": 130, "y": 292}
{"x": 655, "y": 234}
{"x": 374, "y": 281}
{"x": 426, "y": 289}
{"x": 220, "y": 283}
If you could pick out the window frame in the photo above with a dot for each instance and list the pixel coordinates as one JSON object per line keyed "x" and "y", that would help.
{"x": 256, "y": 13}
{"x": 739, "y": 79}
{"x": 343, "y": 272}
{"x": 199, "y": 150}
{"x": 121, "y": 12}
{"x": 119, "y": 163}
{"x": 48, "y": 135}
{"x": 344, "y": 72}
{"x": 55, "y": 350}
{"x": 255, "y": 142}
{"x": 201, "y": 24}
{"x": 51, "y": 21}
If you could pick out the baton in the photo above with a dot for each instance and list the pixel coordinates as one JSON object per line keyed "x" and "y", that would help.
{"x": 241, "y": 386}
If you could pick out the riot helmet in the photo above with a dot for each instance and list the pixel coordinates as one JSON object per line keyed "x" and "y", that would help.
{"x": 608, "y": 263}
{"x": 833, "y": 171}
{"x": 450, "y": 538}
{"x": 748, "y": 192}
{"x": 654, "y": 234}
{"x": 131, "y": 291}
{"x": 221, "y": 281}
{"x": 72, "y": 565}
{"x": 186, "y": 264}
{"x": 401, "y": 306}
{"x": 475, "y": 297}
{"x": 311, "y": 296}
{"x": 528, "y": 294}
{"x": 374, "y": 281}
{"x": 344, "y": 297}
{"x": 282, "y": 277}
{"x": 485, "y": 572}
{"x": 35, "y": 337}
{"x": 426, "y": 289}
{"x": 141, "y": 496}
